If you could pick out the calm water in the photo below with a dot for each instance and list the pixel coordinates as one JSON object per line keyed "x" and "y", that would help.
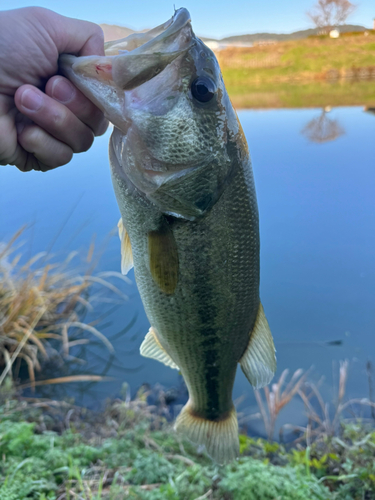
{"x": 315, "y": 179}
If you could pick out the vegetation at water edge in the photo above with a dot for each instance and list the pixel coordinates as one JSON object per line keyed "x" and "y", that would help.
{"x": 316, "y": 71}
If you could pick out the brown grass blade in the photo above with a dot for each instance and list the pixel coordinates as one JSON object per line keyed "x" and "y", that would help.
{"x": 92, "y": 330}
{"x": 8, "y": 246}
{"x": 21, "y": 344}
{"x": 67, "y": 380}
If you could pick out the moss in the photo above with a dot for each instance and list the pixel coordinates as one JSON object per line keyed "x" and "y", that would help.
{"x": 146, "y": 464}
{"x": 250, "y": 479}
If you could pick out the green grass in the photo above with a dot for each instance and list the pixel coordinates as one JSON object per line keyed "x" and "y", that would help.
{"x": 128, "y": 452}
{"x": 52, "y": 465}
{"x": 316, "y": 71}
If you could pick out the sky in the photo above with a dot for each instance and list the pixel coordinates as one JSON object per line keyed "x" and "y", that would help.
{"x": 210, "y": 18}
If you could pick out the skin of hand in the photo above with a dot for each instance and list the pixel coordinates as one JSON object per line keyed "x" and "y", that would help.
{"x": 44, "y": 118}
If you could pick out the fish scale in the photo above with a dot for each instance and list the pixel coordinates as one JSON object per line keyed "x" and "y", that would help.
{"x": 229, "y": 275}
{"x": 182, "y": 176}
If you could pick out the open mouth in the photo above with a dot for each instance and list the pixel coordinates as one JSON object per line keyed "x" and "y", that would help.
{"x": 138, "y": 58}
{"x": 153, "y": 40}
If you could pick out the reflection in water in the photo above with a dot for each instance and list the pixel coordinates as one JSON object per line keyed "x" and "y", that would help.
{"x": 370, "y": 109}
{"x": 323, "y": 129}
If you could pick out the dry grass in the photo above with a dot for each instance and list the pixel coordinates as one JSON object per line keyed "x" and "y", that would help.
{"x": 323, "y": 419}
{"x": 40, "y": 304}
{"x": 277, "y": 397}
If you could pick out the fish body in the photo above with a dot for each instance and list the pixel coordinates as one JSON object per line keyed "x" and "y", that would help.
{"x": 182, "y": 176}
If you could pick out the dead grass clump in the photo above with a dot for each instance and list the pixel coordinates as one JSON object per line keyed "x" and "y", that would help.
{"x": 39, "y": 302}
{"x": 277, "y": 397}
{"x": 323, "y": 419}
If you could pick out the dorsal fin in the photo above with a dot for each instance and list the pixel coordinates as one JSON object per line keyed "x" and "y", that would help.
{"x": 126, "y": 249}
{"x": 259, "y": 361}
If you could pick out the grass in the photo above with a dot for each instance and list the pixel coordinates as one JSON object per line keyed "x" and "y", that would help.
{"x": 57, "y": 451}
{"x": 54, "y": 450}
{"x": 42, "y": 310}
{"x": 314, "y": 72}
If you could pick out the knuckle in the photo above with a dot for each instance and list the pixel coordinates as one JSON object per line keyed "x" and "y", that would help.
{"x": 31, "y": 137}
{"x": 58, "y": 118}
{"x": 35, "y": 11}
{"x": 99, "y": 32}
{"x": 96, "y": 32}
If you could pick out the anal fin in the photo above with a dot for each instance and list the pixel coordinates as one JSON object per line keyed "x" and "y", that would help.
{"x": 259, "y": 361}
{"x": 151, "y": 348}
{"x": 126, "y": 249}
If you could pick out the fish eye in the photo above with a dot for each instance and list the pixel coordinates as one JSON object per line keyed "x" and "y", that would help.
{"x": 203, "y": 89}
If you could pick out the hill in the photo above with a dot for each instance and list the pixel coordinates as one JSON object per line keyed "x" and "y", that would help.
{"x": 282, "y": 37}
{"x": 114, "y": 32}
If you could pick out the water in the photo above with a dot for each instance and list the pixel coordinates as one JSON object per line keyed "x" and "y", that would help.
{"x": 314, "y": 174}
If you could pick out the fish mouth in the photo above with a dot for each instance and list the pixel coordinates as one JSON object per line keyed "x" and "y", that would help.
{"x": 134, "y": 60}
{"x": 153, "y": 40}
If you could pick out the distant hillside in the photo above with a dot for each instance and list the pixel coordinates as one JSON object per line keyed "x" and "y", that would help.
{"x": 297, "y": 35}
{"x": 113, "y": 32}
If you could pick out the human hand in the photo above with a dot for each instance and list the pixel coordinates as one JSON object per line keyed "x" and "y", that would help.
{"x": 44, "y": 118}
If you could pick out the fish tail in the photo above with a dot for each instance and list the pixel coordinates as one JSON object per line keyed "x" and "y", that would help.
{"x": 219, "y": 436}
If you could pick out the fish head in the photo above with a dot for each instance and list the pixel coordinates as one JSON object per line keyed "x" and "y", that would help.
{"x": 164, "y": 93}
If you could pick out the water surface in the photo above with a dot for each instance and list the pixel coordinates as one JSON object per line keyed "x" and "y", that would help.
{"x": 315, "y": 180}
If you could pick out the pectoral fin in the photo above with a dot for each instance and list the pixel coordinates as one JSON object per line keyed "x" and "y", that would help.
{"x": 126, "y": 249}
{"x": 151, "y": 348}
{"x": 163, "y": 259}
{"x": 259, "y": 361}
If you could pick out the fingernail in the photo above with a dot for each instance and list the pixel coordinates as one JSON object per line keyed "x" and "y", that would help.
{"x": 31, "y": 100}
{"x": 62, "y": 90}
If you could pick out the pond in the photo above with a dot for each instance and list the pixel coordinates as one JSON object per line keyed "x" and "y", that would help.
{"x": 315, "y": 178}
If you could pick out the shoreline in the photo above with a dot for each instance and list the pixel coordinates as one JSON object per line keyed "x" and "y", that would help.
{"x": 57, "y": 451}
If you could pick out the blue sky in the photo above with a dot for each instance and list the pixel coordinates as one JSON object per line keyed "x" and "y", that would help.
{"x": 215, "y": 18}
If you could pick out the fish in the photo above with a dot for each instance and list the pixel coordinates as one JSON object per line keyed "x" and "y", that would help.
{"x": 189, "y": 225}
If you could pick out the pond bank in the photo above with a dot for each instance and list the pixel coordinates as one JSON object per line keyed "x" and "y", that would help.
{"x": 56, "y": 451}
{"x": 314, "y": 72}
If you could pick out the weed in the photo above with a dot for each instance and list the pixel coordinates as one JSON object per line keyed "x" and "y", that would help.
{"x": 41, "y": 304}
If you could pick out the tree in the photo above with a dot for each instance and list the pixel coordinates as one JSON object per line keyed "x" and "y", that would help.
{"x": 328, "y": 14}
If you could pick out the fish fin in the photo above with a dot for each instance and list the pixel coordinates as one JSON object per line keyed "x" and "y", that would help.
{"x": 220, "y": 437}
{"x": 259, "y": 361}
{"x": 163, "y": 258}
{"x": 151, "y": 348}
{"x": 126, "y": 249}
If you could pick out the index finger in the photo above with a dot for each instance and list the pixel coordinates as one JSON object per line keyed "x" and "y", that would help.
{"x": 62, "y": 90}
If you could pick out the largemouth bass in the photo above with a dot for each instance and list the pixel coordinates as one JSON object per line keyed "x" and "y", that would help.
{"x": 183, "y": 181}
